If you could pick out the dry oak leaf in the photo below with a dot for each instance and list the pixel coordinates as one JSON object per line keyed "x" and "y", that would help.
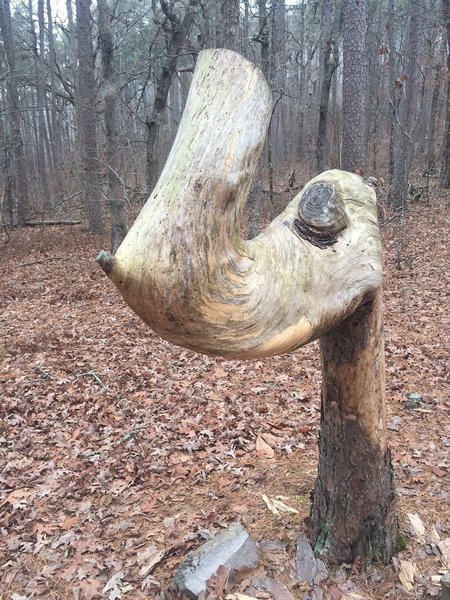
{"x": 418, "y": 528}
{"x": 263, "y": 449}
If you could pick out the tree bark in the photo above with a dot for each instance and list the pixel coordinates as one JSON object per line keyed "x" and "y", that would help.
{"x": 354, "y": 84}
{"x": 87, "y": 119}
{"x": 112, "y": 156}
{"x": 446, "y": 166}
{"x": 330, "y": 58}
{"x": 353, "y": 511}
{"x": 178, "y": 32}
{"x": 407, "y": 90}
{"x": 18, "y": 166}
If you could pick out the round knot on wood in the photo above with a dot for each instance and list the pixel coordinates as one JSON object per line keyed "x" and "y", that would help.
{"x": 322, "y": 215}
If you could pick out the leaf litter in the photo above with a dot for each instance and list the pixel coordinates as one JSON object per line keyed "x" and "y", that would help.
{"x": 120, "y": 452}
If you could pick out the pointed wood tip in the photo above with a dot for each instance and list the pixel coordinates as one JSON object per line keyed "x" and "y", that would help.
{"x": 106, "y": 261}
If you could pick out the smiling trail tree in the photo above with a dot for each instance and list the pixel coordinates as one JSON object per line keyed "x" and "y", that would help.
{"x": 314, "y": 272}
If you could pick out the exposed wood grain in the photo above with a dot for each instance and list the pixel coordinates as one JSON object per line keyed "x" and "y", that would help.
{"x": 183, "y": 266}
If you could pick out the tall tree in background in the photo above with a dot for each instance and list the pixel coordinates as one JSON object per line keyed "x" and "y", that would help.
{"x": 407, "y": 92}
{"x": 330, "y": 61}
{"x": 18, "y": 162}
{"x": 446, "y": 167}
{"x": 228, "y": 25}
{"x": 176, "y": 31}
{"x": 354, "y": 84}
{"x": 87, "y": 119}
{"x": 112, "y": 146}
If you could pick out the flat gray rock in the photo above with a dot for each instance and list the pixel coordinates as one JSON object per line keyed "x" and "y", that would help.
{"x": 277, "y": 589}
{"x": 234, "y": 548}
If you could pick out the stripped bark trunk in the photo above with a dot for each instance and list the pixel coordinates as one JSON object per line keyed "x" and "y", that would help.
{"x": 353, "y": 511}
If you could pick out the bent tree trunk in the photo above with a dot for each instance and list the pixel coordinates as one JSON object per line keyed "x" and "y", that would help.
{"x": 314, "y": 271}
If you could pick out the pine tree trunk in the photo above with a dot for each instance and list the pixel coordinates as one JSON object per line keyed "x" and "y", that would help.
{"x": 353, "y": 512}
{"x": 354, "y": 84}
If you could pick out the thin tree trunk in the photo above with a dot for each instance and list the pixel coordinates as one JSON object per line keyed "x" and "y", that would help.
{"x": 329, "y": 65}
{"x": 446, "y": 166}
{"x": 406, "y": 114}
{"x": 19, "y": 164}
{"x": 179, "y": 30}
{"x": 354, "y": 84}
{"x": 87, "y": 120}
{"x": 112, "y": 156}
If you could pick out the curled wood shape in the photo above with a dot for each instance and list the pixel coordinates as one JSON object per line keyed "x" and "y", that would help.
{"x": 183, "y": 267}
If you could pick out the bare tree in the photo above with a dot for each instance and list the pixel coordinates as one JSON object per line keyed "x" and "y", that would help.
{"x": 407, "y": 92}
{"x": 330, "y": 61}
{"x": 87, "y": 118}
{"x": 446, "y": 167}
{"x": 112, "y": 146}
{"x": 354, "y": 84}
{"x": 18, "y": 162}
{"x": 176, "y": 32}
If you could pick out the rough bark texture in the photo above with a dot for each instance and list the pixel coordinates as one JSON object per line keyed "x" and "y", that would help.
{"x": 407, "y": 90}
{"x": 354, "y": 84}
{"x": 178, "y": 30}
{"x": 446, "y": 167}
{"x": 353, "y": 512}
{"x": 183, "y": 266}
{"x": 87, "y": 118}
{"x": 330, "y": 61}
{"x": 18, "y": 166}
{"x": 112, "y": 156}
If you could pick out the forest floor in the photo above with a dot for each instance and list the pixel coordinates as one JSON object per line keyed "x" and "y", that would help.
{"x": 118, "y": 450}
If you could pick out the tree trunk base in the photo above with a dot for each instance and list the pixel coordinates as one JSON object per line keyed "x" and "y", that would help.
{"x": 353, "y": 513}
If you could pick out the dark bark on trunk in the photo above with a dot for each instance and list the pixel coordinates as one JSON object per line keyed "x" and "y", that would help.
{"x": 353, "y": 511}
{"x": 179, "y": 30}
{"x": 407, "y": 91}
{"x": 18, "y": 159}
{"x": 87, "y": 119}
{"x": 446, "y": 167}
{"x": 228, "y": 30}
{"x": 354, "y": 84}
{"x": 112, "y": 156}
{"x": 330, "y": 58}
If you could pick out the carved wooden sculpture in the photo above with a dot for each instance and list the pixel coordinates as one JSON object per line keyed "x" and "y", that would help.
{"x": 314, "y": 271}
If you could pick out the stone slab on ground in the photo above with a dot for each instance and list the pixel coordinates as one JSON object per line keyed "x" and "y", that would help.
{"x": 234, "y": 548}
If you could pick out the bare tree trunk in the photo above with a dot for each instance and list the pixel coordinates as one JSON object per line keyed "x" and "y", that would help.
{"x": 446, "y": 166}
{"x": 431, "y": 156}
{"x": 229, "y": 34}
{"x": 87, "y": 120}
{"x": 354, "y": 84}
{"x": 330, "y": 58}
{"x": 406, "y": 114}
{"x": 19, "y": 165}
{"x": 353, "y": 511}
{"x": 112, "y": 152}
{"x": 178, "y": 32}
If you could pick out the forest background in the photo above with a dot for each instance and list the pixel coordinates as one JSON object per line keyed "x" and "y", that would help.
{"x": 119, "y": 451}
